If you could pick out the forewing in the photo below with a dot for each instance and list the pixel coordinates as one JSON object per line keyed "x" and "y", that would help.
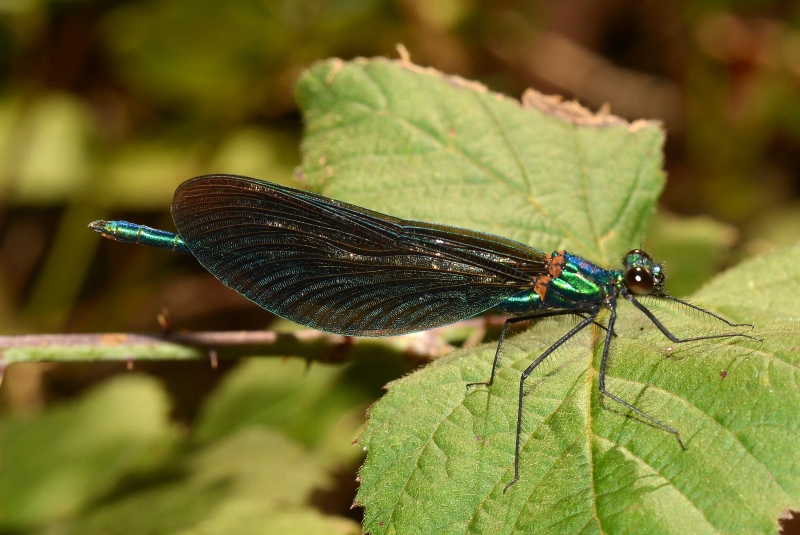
{"x": 340, "y": 268}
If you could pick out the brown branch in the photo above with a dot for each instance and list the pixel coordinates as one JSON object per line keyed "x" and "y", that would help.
{"x": 179, "y": 345}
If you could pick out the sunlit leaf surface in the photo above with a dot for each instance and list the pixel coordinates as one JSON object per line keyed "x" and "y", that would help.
{"x": 416, "y": 144}
{"x": 439, "y": 454}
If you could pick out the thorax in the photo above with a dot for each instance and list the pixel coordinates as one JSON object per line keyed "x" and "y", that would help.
{"x": 570, "y": 282}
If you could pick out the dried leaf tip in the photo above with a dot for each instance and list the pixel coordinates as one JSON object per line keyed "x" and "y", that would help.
{"x": 402, "y": 51}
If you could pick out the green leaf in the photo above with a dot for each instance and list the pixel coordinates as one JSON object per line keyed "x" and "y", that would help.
{"x": 416, "y": 144}
{"x": 311, "y": 403}
{"x": 56, "y": 125}
{"x": 243, "y": 53}
{"x": 774, "y": 227}
{"x": 692, "y": 249}
{"x": 319, "y": 405}
{"x": 761, "y": 290}
{"x": 55, "y": 464}
{"x": 145, "y": 174}
{"x": 439, "y": 454}
{"x": 252, "y": 482}
{"x": 255, "y": 151}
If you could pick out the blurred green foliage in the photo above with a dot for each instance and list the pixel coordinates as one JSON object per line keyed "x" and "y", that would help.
{"x": 105, "y": 107}
{"x": 90, "y": 445}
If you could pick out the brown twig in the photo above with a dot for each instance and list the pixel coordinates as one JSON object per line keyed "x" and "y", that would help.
{"x": 178, "y": 345}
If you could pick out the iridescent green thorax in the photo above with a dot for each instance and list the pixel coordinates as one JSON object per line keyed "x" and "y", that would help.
{"x": 569, "y": 282}
{"x": 123, "y": 231}
{"x": 579, "y": 282}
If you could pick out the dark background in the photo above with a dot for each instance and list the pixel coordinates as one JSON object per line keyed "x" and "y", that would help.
{"x": 106, "y": 106}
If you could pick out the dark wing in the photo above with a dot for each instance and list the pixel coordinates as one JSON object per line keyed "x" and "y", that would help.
{"x": 341, "y": 268}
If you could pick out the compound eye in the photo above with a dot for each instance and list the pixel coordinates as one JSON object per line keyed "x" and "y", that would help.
{"x": 637, "y": 252}
{"x": 639, "y": 281}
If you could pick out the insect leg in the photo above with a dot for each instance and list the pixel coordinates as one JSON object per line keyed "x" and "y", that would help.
{"x": 677, "y": 340}
{"x": 575, "y": 330}
{"x": 504, "y": 331}
{"x": 602, "y": 385}
{"x": 597, "y": 323}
